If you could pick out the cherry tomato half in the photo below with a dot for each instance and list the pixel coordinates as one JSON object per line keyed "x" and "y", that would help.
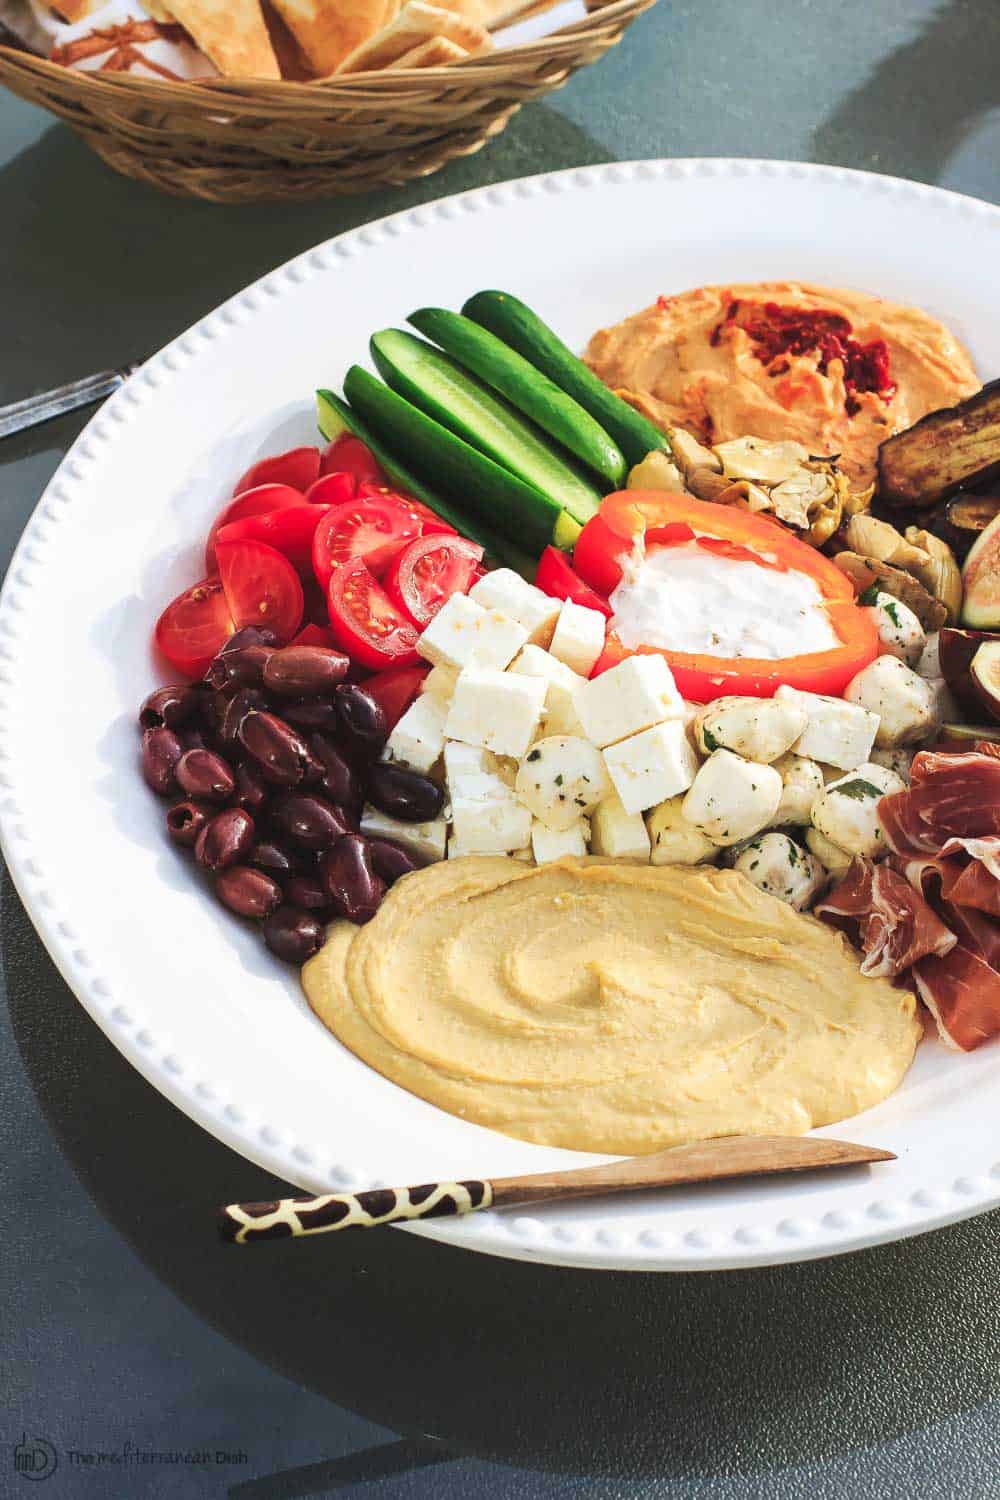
{"x": 429, "y": 519}
{"x": 261, "y": 587}
{"x": 373, "y": 528}
{"x": 315, "y": 635}
{"x": 194, "y": 627}
{"x": 332, "y": 489}
{"x": 299, "y": 467}
{"x": 366, "y": 623}
{"x": 395, "y": 689}
{"x": 289, "y": 531}
{"x": 256, "y": 502}
{"x": 556, "y": 578}
{"x": 349, "y": 455}
{"x": 428, "y": 571}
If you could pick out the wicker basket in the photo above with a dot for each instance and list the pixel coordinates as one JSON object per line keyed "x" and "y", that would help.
{"x": 248, "y": 142}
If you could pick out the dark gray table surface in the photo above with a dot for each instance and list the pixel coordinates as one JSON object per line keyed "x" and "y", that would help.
{"x": 379, "y": 1364}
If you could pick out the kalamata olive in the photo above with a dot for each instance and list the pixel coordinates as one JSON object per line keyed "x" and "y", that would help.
{"x": 304, "y": 671}
{"x": 309, "y": 821}
{"x": 248, "y": 892}
{"x": 242, "y": 668}
{"x": 293, "y": 935}
{"x": 307, "y": 891}
{"x": 192, "y": 738}
{"x": 404, "y": 794}
{"x": 224, "y": 841}
{"x": 250, "y": 635}
{"x": 186, "y": 819}
{"x": 237, "y": 706}
{"x": 172, "y": 705}
{"x": 202, "y": 773}
{"x": 340, "y": 781}
{"x": 252, "y": 791}
{"x": 361, "y": 719}
{"x": 391, "y": 860}
{"x": 162, "y": 753}
{"x": 274, "y": 860}
{"x": 282, "y": 756}
{"x": 355, "y": 890}
{"x": 312, "y": 713}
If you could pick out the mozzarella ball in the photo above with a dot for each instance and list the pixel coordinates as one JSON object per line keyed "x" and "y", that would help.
{"x": 900, "y": 633}
{"x": 904, "y": 702}
{"x": 759, "y": 729}
{"x": 833, "y": 859}
{"x": 778, "y": 865}
{"x": 801, "y": 783}
{"x": 673, "y": 839}
{"x": 895, "y": 760}
{"x": 561, "y": 779}
{"x": 929, "y": 664}
{"x": 732, "y": 799}
{"x": 847, "y": 811}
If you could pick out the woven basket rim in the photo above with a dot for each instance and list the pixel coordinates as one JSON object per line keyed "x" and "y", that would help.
{"x": 376, "y": 84}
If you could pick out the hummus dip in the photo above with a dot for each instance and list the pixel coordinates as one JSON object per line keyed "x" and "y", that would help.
{"x": 611, "y": 1007}
{"x": 838, "y": 371}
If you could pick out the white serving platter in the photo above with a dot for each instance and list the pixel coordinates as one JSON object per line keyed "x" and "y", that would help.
{"x": 189, "y": 997}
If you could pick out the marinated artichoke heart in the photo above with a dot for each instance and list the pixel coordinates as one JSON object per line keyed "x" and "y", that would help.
{"x": 795, "y": 499}
{"x": 655, "y": 472}
{"x": 928, "y": 572}
{"x": 761, "y": 461}
{"x": 865, "y": 571}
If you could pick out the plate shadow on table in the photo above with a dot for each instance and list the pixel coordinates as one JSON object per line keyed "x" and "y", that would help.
{"x": 627, "y": 1375}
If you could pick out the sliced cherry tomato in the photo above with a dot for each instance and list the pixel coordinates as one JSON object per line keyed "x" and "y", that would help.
{"x": 366, "y": 623}
{"x": 429, "y": 519}
{"x": 373, "y": 528}
{"x": 299, "y": 467}
{"x": 349, "y": 455}
{"x": 256, "y": 502}
{"x": 261, "y": 587}
{"x": 289, "y": 531}
{"x": 332, "y": 489}
{"x": 665, "y": 518}
{"x": 395, "y": 689}
{"x": 428, "y": 571}
{"x": 315, "y": 635}
{"x": 556, "y": 578}
{"x": 194, "y": 627}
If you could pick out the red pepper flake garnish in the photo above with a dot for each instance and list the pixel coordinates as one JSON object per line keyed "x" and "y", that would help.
{"x": 778, "y": 331}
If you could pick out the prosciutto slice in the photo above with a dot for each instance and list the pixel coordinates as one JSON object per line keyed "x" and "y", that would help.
{"x": 887, "y": 917}
{"x": 962, "y": 993}
{"x": 950, "y": 797}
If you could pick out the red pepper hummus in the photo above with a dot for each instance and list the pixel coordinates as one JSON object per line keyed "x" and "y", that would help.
{"x": 838, "y": 371}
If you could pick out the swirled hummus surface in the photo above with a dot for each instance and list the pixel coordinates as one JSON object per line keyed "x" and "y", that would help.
{"x": 611, "y": 1007}
{"x": 839, "y": 371}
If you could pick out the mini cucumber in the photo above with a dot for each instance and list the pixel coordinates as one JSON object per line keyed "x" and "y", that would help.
{"x": 524, "y": 331}
{"x": 467, "y": 477}
{"x": 533, "y": 393}
{"x": 441, "y": 388}
{"x": 335, "y": 417}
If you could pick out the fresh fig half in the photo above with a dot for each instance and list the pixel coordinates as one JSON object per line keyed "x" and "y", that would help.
{"x": 984, "y": 671}
{"x": 981, "y": 580}
{"x": 956, "y": 648}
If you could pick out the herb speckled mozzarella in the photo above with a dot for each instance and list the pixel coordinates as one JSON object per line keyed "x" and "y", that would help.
{"x": 731, "y": 798}
{"x": 847, "y": 811}
{"x": 759, "y": 729}
{"x": 650, "y": 766}
{"x": 425, "y": 839}
{"x": 512, "y": 595}
{"x": 498, "y": 710}
{"x": 463, "y": 634}
{"x": 801, "y": 783}
{"x": 674, "y": 840}
{"x": 898, "y": 761}
{"x": 561, "y": 779}
{"x": 578, "y": 638}
{"x": 561, "y": 683}
{"x": 417, "y": 739}
{"x": 903, "y": 702}
{"x": 833, "y": 859}
{"x": 837, "y": 732}
{"x": 929, "y": 664}
{"x": 617, "y": 833}
{"x": 778, "y": 865}
{"x": 487, "y": 818}
{"x": 899, "y": 631}
{"x": 636, "y": 694}
{"x": 553, "y": 843}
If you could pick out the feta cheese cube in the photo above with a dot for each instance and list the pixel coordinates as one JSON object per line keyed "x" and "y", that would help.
{"x": 487, "y": 818}
{"x": 498, "y": 710}
{"x": 840, "y": 733}
{"x": 560, "y": 715}
{"x": 578, "y": 638}
{"x": 652, "y": 765}
{"x": 561, "y": 779}
{"x": 617, "y": 833}
{"x": 552, "y": 843}
{"x": 464, "y": 634}
{"x": 440, "y": 682}
{"x": 513, "y": 596}
{"x": 899, "y": 700}
{"x": 418, "y": 738}
{"x": 425, "y": 839}
{"x": 732, "y": 799}
{"x": 637, "y": 693}
{"x": 464, "y": 760}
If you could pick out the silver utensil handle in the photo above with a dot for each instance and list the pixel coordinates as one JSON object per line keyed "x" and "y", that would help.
{"x": 47, "y": 404}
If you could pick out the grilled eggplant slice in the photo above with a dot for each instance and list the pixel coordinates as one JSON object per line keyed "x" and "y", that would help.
{"x": 951, "y": 448}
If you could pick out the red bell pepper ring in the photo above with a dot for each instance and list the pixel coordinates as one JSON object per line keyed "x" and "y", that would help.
{"x": 557, "y": 578}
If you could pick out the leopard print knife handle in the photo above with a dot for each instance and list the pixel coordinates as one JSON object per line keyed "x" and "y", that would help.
{"x": 242, "y": 1223}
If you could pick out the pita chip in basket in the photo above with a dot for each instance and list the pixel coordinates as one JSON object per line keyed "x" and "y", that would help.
{"x": 328, "y": 30}
{"x": 434, "y": 53}
{"x": 416, "y": 24}
{"x": 230, "y": 32}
